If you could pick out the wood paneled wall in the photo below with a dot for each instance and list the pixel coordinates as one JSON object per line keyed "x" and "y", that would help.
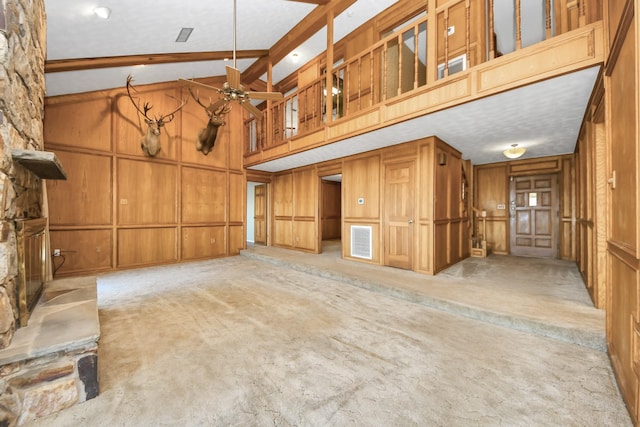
{"x": 491, "y": 184}
{"x": 439, "y": 230}
{"x": 295, "y": 209}
{"x": 120, "y": 209}
{"x": 623, "y": 194}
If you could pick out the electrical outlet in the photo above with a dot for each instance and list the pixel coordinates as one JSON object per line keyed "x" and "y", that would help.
{"x": 56, "y": 252}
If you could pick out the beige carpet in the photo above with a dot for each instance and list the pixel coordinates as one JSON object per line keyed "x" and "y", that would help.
{"x": 240, "y": 342}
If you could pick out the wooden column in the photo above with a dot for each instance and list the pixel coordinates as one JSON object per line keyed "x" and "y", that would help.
{"x": 329, "y": 67}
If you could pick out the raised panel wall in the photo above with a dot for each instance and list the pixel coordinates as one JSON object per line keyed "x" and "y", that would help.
{"x": 121, "y": 209}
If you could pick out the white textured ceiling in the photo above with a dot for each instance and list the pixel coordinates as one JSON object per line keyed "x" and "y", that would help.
{"x": 544, "y": 118}
{"x": 143, "y": 27}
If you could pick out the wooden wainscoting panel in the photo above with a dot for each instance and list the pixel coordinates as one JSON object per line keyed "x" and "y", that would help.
{"x": 204, "y": 196}
{"x": 203, "y": 242}
{"x": 146, "y": 246}
{"x": 305, "y": 234}
{"x": 90, "y": 128}
{"x": 237, "y": 197}
{"x": 83, "y": 251}
{"x": 353, "y": 125}
{"x": 624, "y": 282}
{"x": 91, "y": 188}
{"x": 237, "y": 239}
{"x": 361, "y": 187}
{"x": 441, "y": 240}
{"x": 497, "y": 236}
{"x": 146, "y": 192}
{"x": 283, "y": 232}
{"x": 131, "y": 126}
{"x": 425, "y": 253}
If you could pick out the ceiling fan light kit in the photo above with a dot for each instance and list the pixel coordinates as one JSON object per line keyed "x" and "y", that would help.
{"x": 514, "y": 152}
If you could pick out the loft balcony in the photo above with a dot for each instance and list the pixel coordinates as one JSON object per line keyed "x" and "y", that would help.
{"x": 425, "y": 73}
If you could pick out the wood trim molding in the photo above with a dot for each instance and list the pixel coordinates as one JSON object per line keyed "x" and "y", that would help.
{"x": 59, "y": 65}
{"x": 618, "y": 39}
{"x": 624, "y": 253}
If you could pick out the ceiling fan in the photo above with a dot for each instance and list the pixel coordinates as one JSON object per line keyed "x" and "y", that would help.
{"x": 232, "y": 90}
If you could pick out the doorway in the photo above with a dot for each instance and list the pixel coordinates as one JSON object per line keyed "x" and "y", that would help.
{"x": 257, "y": 213}
{"x": 331, "y": 213}
{"x": 398, "y": 214}
{"x": 534, "y": 216}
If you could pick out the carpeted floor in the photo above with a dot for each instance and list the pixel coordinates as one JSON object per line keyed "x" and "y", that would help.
{"x": 240, "y": 342}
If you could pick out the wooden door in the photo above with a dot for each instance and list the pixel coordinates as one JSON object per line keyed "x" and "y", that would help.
{"x": 534, "y": 216}
{"x": 398, "y": 214}
{"x": 260, "y": 215}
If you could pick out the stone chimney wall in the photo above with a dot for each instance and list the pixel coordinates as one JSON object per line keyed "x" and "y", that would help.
{"x": 22, "y": 92}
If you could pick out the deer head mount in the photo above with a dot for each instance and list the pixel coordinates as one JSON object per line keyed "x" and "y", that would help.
{"x": 216, "y": 111}
{"x": 150, "y": 142}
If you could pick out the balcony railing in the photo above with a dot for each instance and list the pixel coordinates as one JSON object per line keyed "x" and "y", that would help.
{"x": 464, "y": 34}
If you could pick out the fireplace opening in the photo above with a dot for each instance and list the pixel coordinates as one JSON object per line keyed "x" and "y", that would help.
{"x": 31, "y": 265}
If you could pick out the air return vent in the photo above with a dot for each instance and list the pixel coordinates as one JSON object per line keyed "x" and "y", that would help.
{"x": 361, "y": 241}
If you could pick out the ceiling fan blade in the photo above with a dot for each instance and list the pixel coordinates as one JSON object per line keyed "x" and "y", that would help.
{"x": 253, "y": 110}
{"x": 198, "y": 84}
{"x": 214, "y": 106}
{"x": 233, "y": 77}
{"x": 264, "y": 95}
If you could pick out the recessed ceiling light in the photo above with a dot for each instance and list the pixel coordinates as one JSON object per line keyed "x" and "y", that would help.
{"x": 102, "y": 12}
{"x": 184, "y": 34}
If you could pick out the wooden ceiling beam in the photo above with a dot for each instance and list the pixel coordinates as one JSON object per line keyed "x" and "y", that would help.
{"x": 58, "y": 65}
{"x": 311, "y": 24}
{"x": 318, "y": 2}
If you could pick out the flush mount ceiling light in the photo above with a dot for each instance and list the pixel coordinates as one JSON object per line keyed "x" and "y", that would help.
{"x": 102, "y": 12}
{"x": 514, "y": 152}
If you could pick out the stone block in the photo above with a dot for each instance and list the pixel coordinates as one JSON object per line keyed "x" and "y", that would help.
{"x": 88, "y": 373}
{"x": 49, "y": 374}
{"x": 47, "y": 398}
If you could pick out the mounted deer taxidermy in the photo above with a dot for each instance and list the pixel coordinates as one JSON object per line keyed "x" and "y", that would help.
{"x": 216, "y": 111}
{"x": 150, "y": 142}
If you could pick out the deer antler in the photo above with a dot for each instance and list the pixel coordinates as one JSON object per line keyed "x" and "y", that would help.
{"x": 146, "y": 107}
{"x": 211, "y": 108}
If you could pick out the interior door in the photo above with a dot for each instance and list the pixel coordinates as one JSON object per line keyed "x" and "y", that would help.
{"x": 534, "y": 216}
{"x": 398, "y": 217}
{"x": 260, "y": 215}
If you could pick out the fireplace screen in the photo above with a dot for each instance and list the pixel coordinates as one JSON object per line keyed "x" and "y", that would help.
{"x": 31, "y": 265}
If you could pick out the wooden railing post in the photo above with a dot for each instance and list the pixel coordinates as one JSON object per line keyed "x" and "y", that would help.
{"x": 492, "y": 32}
{"x": 518, "y": 26}
{"x": 548, "y": 19}
{"x": 446, "y": 43}
{"x": 468, "y": 30}
{"x": 328, "y": 97}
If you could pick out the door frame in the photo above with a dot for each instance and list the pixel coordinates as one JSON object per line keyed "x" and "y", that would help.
{"x": 555, "y": 216}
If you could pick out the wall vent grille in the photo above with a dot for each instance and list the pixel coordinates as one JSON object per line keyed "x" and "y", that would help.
{"x": 361, "y": 241}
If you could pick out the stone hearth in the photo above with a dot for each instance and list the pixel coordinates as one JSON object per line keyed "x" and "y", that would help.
{"x": 52, "y": 363}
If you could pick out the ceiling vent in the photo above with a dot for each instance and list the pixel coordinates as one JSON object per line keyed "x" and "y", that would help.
{"x": 184, "y": 34}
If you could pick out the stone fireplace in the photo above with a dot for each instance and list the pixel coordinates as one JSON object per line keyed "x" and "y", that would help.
{"x": 31, "y": 245}
{"x": 48, "y": 343}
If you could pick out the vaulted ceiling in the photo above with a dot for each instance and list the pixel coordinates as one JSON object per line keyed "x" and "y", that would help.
{"x": 86, "y": 53}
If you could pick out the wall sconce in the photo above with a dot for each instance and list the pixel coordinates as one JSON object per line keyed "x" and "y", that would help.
{"x": 514, "y": 152}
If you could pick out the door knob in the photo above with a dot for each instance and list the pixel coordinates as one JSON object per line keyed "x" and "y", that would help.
{"x": 410, "y": 221}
